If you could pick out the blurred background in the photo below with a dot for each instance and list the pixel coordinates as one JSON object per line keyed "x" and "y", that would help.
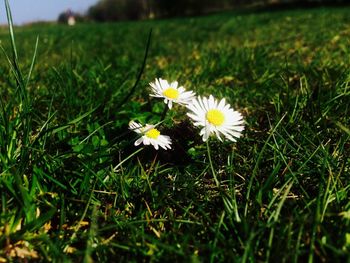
{"x": 73, "y": 11}
{"x": 108, "y": 10}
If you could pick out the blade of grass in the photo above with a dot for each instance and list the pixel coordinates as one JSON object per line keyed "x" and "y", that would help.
{"x": 256, "y": 167}
{"x": 133, "y": 88}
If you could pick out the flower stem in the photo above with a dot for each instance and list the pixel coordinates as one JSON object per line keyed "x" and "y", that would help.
{"x": 211, "y": 166}
{"x": 164, "y": 112}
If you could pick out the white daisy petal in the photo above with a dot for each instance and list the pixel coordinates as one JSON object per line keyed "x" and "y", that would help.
{"x": 211, "y": 102}
{"x": 206, "y": 134}
{"x": 221, "y": 104}
{"x": 134, "y": 126}
{"x": 138, "y": 141}
{"x": 182, "y": 90}
{"x": 174, "y": 84}
{"x": 146, "y": 141}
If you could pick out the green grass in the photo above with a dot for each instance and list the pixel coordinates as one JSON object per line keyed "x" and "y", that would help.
{"x": 73, "y": 187}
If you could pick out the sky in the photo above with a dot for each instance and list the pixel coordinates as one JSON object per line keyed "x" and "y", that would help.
{"x": 24, "y": 11}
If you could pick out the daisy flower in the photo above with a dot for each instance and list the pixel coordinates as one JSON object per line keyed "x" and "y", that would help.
{"x": 150, "y": 135}
{"x": 161, "y": 88}
{"x": 216, "y": 117}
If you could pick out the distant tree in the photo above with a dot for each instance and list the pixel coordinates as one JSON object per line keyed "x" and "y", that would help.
{"x": 114, "y": 10}
{"x": 63, "y": 18}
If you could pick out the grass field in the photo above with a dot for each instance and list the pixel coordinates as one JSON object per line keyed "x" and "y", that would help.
{"x": 73, "y": 186}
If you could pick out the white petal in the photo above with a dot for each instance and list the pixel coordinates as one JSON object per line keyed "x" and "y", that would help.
{"x": 211, "y": 102}
{"x": 134, "y": 126}
{"x": 181, "y": 89}
{"x": 138, "y": 141}
{"x": 206, "y": 133}
{"x": 146, "y": 141}
{"x": 221, "y": 104}
{"x": 155, "y": 145}
{"x": 205, "y": 102}
{"x": 217, "y": 133}
{"x": 174, "y": 84}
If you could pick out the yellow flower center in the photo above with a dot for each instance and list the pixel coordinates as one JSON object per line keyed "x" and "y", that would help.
{"x": 215, "y": 117}
{"x": 153, "y": 133}
{"x": 171, "y": 93}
